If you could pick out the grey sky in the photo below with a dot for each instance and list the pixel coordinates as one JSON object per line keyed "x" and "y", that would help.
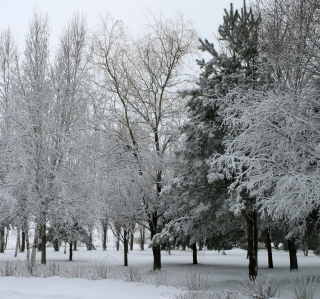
{"x": 206, "y": 15}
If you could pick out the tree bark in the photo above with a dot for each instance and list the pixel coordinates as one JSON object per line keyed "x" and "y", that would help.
{"x": 23, "y": 240}
{"x": 2, "y": 240}
{"x": 70, "y": 251}
{"x": 131, "y": 242}
{"x": 27, "y": 242}
{"x": 293, "y": 255}
{"x": 253, "y": 266}
{"x": 125, "y": 249}
{"x": 194, "y": 253}
{"x": 142, "y": 237}
{"x": 104, "y": 237}
{"x": 156, "y": 249}
{"x": 56, "y": 244}
{"x": 75, "y": 244}
{"x": 269, "y": 248}
{"x": 44, "y": 244}
{"x": 17, "y": 243}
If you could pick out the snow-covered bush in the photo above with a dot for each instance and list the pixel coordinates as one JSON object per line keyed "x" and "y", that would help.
{"x": 159, "y": 278}
{"x": 304, "y": 288}
{"x": 261, "y": 288}
{"x": 196, "y": 281}
{"x": 226, "y": 294}
{"x": 134, "y": 274}
{"x": 190, "y": 295}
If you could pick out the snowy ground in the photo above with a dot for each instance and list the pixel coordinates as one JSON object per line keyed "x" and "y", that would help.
{"x": 227, "y": 272}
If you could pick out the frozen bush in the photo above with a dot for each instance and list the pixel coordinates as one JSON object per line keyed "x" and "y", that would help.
{"x": 304, "y": 288}
{"x": 261, "y": 288}
{"x": 159, "y": 278}
{"x": 196, "y": 281}
{"x": 226, "y": 294}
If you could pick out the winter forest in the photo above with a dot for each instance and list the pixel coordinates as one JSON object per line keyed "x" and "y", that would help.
{"x": 114, "y": 131}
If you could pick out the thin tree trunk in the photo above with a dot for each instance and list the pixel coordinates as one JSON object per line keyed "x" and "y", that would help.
{"x": 17, "y": 243}
{"x": 23, "y": 240}
{"x": 253, "y": 268}
{"x": 142, "y": 237}
{"x": 34, "y": 247}
{"x": 268, "y": 243}
{"x": 131, "y": 242}
{"x": 70, "y": 251}
{"x": 2, "y": 234}
{"x": 125, "y": 248}
{"x": 56, "y": 244}
{"x": 65, "y": 248}
{"x": 7, "y": 236}
{"x": 104, "y": 237}
{"x": 200, "y": 245}
{"x": 75, "y": 246}
{"x": 292, "y": 255}
{"x": 27, "y": 243}
{"x": 194, "y": 253}
{"x": 44, "y": 244}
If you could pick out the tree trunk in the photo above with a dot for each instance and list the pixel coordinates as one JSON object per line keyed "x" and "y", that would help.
{"x": 70, "y": 251}
{"x": 104, "y": 237}
{"x": 268, "y": 245}
{"x": 125, "y": 248}
{"x": 56, "y": 245}
{"x": 75, "y": 244}
{"x": 200, "y": 245}
{"x": 253, "y": 266}
{"x": 2, "y": 241}
{"x": 142, "y": 237}
{"x": 34, "y": 247}
{"x": 293, "y": 255}
{"x": 65, "y": 248}
{"x": 23, "y": 240}
{"x": 6, "y": 243}
{"x": 131, "y": 242}
{"x": 17, "y": 243}
{"x": 27, "y": 243}
{"x": 44, "y": 244}
{"x": 255, "y": 235}
{"x": 156, "y": 250}
{"x": 194, "y": 253}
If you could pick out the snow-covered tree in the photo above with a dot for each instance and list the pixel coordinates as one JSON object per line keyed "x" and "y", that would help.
{"x": 140, "y": 77}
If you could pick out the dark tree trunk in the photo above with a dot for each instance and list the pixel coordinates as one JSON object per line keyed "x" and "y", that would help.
{"x": 142, "y": 237}
{"x": 104, "y": 237}
{"x": 255, "y": 234}
{"x": 56, "y": 245}
{"x": 125, "y": 247}
{"x": 269, "y": 248}
{"x": 253, "y": 265}
{"x": 293, "y": 255}
{"x": 131, "y": 242}
{"x": 75, "y": 246}
{"x": 194, "y": 253}
{"x": 200, "y": 245}
{"x": 70, "y": 251}
{"x": 23, "y": 241}
{"x": 156, "y": 249}
{"x": 2, "y": 239}
{"x": 44, "y": 245}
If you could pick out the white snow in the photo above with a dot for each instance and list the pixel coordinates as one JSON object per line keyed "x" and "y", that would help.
{"x": 227, "y": 272}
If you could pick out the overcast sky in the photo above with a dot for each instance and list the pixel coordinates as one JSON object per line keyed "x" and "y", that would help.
{"x": 206, "y": 15}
